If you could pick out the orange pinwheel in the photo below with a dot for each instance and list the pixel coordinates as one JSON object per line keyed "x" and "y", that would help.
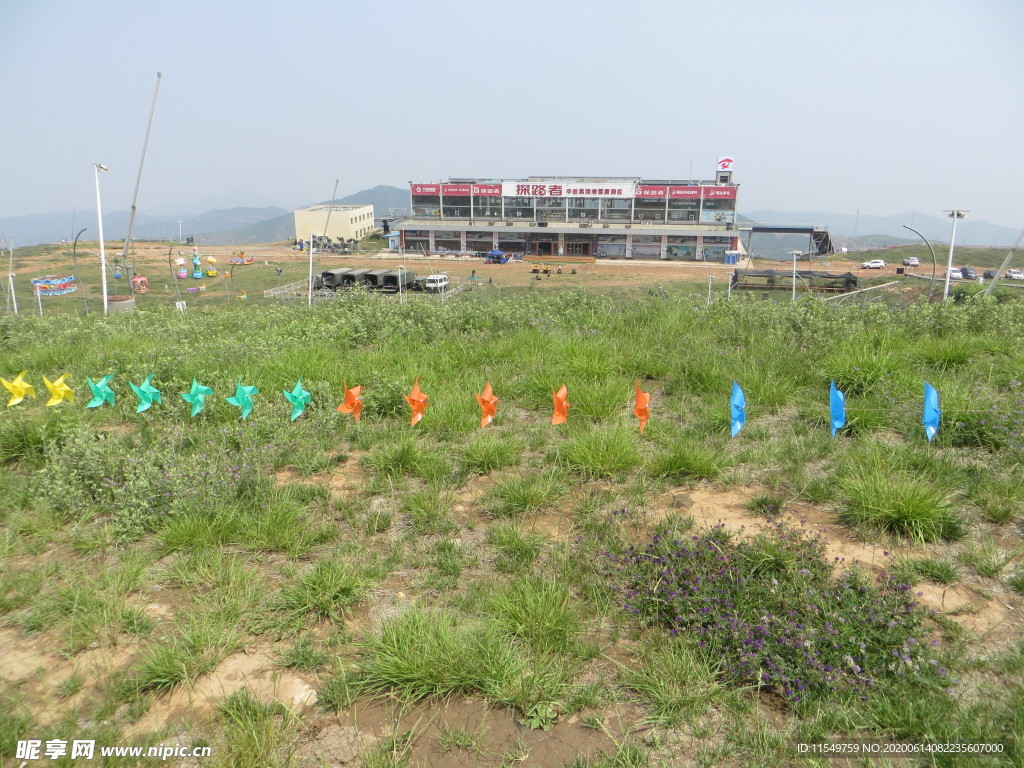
{"x": 417, "y": 401}
{"x": 561, "y": 406}
{"x": 642, "y": 408}
{"x": 488, "y": 405}
{"x": 353, "y": 404}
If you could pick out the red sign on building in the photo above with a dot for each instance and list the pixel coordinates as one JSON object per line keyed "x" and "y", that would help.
{"x": 649, "y": 190}
{"x": 719, "y": 193}
{"x": 487, "y": 190}
{"x": 426, "y": 189}
{"x": 455, "y": 189}
{"x": 684, "y": 193}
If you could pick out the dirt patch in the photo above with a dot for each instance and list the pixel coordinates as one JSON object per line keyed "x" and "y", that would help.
{"x": 255, "y": 669}
{"x": 462, "y": 732}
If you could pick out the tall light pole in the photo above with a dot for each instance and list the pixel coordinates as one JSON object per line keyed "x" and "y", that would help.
{"x": 97, "y": 167}
{"x": 179, "y": 233}
{"x": 955, "y": 214}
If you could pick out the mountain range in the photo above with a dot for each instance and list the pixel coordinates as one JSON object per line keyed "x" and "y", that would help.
{"x": 240, "y": 226}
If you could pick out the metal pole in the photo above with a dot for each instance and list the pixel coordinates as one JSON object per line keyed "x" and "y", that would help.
{"x": 179, "y": 233}
{"x": 931, "y": 283}
{"x": 1004, "y": 265}
{"x": 794, "y": 274}
{"x": 330, "y": 210}
{"x": 311, "y": 269}
{"x": 135, "y": 196}
{"x": 10, "y": 282}
{"x": 97, "y": 167}
{"x": 39, "y": 298}
{"x": 954, "y": 214}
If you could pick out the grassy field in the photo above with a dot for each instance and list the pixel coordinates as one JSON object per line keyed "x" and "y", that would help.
{"x": 325, "y": 592}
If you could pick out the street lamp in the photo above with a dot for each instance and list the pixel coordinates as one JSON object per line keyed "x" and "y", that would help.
{"x": 179, "y": 233}
{"x": 931, "y": 283}
{"x": 97, "y": 167}
{"x": 955, "y": 214}
{"x": 74, "y": 256}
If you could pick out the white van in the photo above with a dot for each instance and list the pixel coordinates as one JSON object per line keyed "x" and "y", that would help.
{"x": 436, "y": 283}
{"x": 955, "y": 274}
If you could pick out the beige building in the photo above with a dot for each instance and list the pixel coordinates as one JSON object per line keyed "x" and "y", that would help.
{"x": 347, "y": 222}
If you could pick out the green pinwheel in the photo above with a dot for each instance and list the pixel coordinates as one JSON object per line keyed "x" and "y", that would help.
{"x": 196, "y": 396}
{"x": 147, "y": 394}
{"x": 243, "y": 398}
{"x": 101, "y": 391}
{"x": 299, "y": 398}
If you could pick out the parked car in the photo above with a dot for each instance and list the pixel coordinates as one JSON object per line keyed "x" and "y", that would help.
{"x": 1015, "y": 274}
{"x": 969, "y": 273}
{"x": 956, "y": 274}
{"x": 990, "y": 274}
{"x": 873, "y": 264}
{"x": 911, "y": 261}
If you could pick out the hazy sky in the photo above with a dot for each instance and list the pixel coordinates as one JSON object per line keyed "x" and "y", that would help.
{"x": 885, "y": 107}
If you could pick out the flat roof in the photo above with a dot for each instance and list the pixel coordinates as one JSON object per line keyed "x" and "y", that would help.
{"x": 339, "y": 207}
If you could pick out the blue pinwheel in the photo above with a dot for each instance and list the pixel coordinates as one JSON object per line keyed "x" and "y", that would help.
{"x": 931, "y": 415}
{"x": 738, "y": 409}
{"x": 837, "y": 408}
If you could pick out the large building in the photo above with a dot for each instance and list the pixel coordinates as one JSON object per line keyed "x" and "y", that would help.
{"x": 339, "y": 222}
{"x": 603, "y": 217}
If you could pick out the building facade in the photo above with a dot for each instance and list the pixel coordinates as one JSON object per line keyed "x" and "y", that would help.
{"x": 344, "y": 222}
{"x": 602, "y": 217}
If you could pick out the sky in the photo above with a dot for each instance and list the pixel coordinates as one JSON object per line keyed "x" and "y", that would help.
{"x": 870, "y": 106}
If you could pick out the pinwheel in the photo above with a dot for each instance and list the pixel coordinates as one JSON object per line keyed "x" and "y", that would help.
{"x": 737, "y": 409}
{"x": 642, "y": 408}
{"x": 561, "y": 406}
{"x": 417, "y": 401}
{"x": 18, "y": 388}
{"x": 299, "y": 398}
{"x": 101, "y": 392}
{"x": 147, "y": 394}
{"x": 59, "y": 391}
{"x": 931, "y": 415}
{"x": 837, "y": 408}
{"x": 243, "y": 397}
{"x": 488, "y": 406}
{"x": 353, "y": 404}
{"x": 196, "y": 397}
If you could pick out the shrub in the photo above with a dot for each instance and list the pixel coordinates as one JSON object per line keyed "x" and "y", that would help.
{"x": 906, "y": 506}
{"x": 770, "y": 610}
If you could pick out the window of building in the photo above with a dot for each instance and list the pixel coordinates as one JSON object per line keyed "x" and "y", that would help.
{"x": 518, "y": 207}
{"x": 426, "y": 205}
{"x": 583, "y": 208}
{"x": 455, "y": 207}
{"x": 487, "y": 206}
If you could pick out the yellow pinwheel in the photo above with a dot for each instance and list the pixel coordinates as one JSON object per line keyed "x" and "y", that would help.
{"x": 59, "y": 391}
{"x": 18, "y": 388}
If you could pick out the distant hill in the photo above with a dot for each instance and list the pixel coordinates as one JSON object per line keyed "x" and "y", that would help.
{"x": 382, "y": 198}
{"x": 51, "y": 227}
